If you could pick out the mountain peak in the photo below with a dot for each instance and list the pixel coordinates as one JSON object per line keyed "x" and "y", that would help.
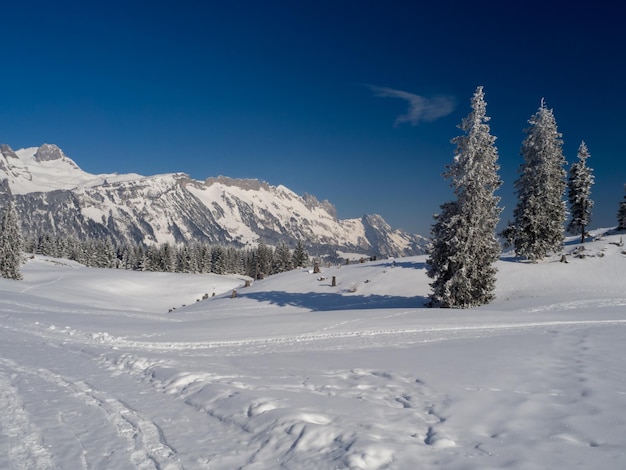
{"x": 312, "y": 202}
{"x": 49, "y": 152}
{"x": 7, "y": 151}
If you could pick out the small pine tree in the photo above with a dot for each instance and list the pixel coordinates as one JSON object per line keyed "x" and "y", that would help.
{"x": 167, "y": 258}
{"x": 621, "y": 214}
{"x": 183, "y": 259}
{"x": 464, "y": 245}
{"x": 264, "y": 256}
{"x": 218, "y": 260}
{"x": 578, "y": 193}
{"x": 300, "y": 257}
{"x": 282, "y": 259}
{"x": 10, "y": 244}
{"x": 540, "y": 213}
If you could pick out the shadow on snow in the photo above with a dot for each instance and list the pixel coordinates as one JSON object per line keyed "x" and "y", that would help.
{"x": 397, "y": 264}
{"x": 318, "y": 302}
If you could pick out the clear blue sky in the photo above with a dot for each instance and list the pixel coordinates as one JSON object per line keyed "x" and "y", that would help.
{"x": 315, "y": 95}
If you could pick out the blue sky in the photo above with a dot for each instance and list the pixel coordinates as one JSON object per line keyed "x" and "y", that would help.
{"x": 352, "y": 101}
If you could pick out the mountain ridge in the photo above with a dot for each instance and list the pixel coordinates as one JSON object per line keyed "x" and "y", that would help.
{"x": 54, "y": 195}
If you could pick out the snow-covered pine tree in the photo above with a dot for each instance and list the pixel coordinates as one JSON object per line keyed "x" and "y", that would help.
{"x": 183, "y": 259}
{"x": 235, "y": 260}
{"x": 206, "y": 259}
{"x": 282, "y": 259}
{"x": 167, "y": 258}
{"x": 263, "y": 260}
{"x": 10, "y": 244}
{"x": 621, "y": 214}
{"x": 218, "y": 260}
{"x": 578, "y": 193}
{"x": 539, "y": 217}
{"x": 464, "y": 245}
{"x": 300, "y": 257}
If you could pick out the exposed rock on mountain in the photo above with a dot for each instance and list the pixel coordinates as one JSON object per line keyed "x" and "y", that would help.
{"x": 53, "y": 195}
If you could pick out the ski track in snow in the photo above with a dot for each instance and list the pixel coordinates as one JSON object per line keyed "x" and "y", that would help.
{"x": 35, "y": 286}
{"x": 365, "y": 338}
{"x": 25, "y": 447}
{"x": 577, "y": 304}
{"x": 257, "y": 407}
{"x": 147, "y": 445}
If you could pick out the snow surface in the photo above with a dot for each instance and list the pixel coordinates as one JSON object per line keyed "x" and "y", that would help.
{"x": 27, "y": 176}
{"x": 294, "y": 373}
{"x": 284, "y": 205}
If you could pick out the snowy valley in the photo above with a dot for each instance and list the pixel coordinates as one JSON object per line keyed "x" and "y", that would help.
{"x": 295, "y": 373}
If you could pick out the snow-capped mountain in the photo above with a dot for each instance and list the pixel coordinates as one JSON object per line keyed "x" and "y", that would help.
{"x": 54, "y": 195}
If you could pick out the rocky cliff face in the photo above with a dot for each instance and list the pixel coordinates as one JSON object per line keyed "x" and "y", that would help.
{"x": 53, "y": 195}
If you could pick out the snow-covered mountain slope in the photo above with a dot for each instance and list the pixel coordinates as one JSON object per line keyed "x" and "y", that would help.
{"x": 47, "y": 168}
{"x": 297, "y": 374}
{"x": 53, "y": 195}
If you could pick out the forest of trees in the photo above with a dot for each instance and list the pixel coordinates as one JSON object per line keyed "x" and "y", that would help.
{"x": 255, "y": 262}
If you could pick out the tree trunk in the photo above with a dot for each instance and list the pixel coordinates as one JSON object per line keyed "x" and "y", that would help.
{"x": 582, "y": 236}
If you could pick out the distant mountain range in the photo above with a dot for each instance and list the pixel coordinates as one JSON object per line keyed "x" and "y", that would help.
{"x": 54, "y": 195}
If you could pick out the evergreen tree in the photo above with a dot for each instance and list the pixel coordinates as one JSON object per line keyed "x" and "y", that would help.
{"x": 263, "y": 258}
{"x": 300, "y": 257}
{"x": 235, "y": 261}
{"x": 578, "y": 193}
{"x": 109, "y": 253}
{"x": 464, "y": 245}
{"x": 10, "y": 244}
{"x": 151, "y": 259}
{"x": 167, "y": 258}
{"x": 540, "y": 213}
{"x": 182, "y": 259}
{"x": 621, "y": 214}
{"x": 204, "y": 258}
{"x": 282, "y": 259}
{"x": 218, "y": 260}
{"x": 46, "y": 245}
{"x": 139, "y": 258}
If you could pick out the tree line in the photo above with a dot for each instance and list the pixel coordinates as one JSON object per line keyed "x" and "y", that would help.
{"x": 256, "y": 262}
{"x": 464, "y": 240}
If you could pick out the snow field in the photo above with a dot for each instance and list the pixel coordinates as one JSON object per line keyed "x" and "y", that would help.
{"x": 294, "y": 373}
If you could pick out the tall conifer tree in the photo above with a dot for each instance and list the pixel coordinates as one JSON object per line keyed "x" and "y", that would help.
{"x": 621, "y": 214}
{"x": 464, "y": 245}
{"x": 539, "y": 217}
{"x": 10, "y": 244}
{"x": 578, "y": 193}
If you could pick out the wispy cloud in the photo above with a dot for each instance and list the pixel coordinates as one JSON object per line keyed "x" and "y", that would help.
{"x": 421, "y": 109}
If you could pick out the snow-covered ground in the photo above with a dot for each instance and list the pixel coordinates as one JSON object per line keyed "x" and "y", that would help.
{"x": 96, "y": 373}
